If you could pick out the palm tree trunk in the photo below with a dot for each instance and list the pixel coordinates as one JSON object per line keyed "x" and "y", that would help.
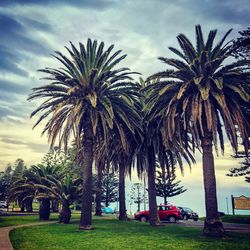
{"x": 44, "y": 209}
{"x": 106, "y": 200}
{"x": 107, "y": 189}
{"x": 213, "y": 225}
{"x": 65, "y": 213}
{"x": 21, "y": 205}
{"x": 164, "y": 184}
{"x": 55, "y": 206}
{"x": 28, "y": 205}
{"x": 122, "y": 199}
{"x": 87, "y": 160}
{"x": 165, "y": 199}
{"x": 98, "y": 208}
{"x": 153, "y": 212}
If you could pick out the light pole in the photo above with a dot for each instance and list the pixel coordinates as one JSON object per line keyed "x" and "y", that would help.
{"x": 94, "y": 202}
{"x": 227, "y": 205}
{"x": 144, "y": 191}
{"x": 117, "y": 199}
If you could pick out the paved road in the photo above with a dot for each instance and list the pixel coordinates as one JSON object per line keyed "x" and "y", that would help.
{"x": 232, "y": 227}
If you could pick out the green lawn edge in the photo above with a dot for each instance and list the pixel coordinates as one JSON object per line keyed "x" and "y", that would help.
{"x": 15, "y": 220}
{"x": 240, "y": 219}
{"x": 109, "y": 233}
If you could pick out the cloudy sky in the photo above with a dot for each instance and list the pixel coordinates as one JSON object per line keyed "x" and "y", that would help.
{"x": 31, "y": 30}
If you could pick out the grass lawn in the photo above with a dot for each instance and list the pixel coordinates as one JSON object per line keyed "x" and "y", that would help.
{"x": 110, "y": 233}
{"x": 13, "y": 220}
{"x": 241, "y": 219}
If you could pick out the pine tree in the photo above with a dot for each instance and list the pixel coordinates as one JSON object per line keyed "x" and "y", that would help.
{"x": 19, "y": 168}
{"x": 244, "y": 169}
{"x": 137, "y": 195}
{"x": 5, "y": 182}
{"x": 166, "y": 186}
{"x": 110, "y": 184}
{"x": 242, "y": 44}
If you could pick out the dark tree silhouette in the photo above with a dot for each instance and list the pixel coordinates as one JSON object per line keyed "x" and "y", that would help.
{"x": 166, "y": 185}
{"x": 244, "y": 170}
{"x": 137, "y": 195}
{"x": 242, "y": 45}
{"x": 5, "y": 182}
{"x": 110, "y": 185}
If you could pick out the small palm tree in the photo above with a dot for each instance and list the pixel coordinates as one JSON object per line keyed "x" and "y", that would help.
{"x": 22, "y": 192}
{"x": 65, "y": 190}
{"x": 87, "y": 99}
{"x": 27, "y": 188}
{"x": 193, "y": 101}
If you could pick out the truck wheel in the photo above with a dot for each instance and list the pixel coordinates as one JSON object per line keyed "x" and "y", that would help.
{"x": 172, "y": 219}
{"x": 185, "y": 217}
{"x": 143, "y": 219}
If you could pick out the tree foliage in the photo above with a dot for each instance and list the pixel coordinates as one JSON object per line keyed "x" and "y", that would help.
{"x": 201, "y": 93}
{"x": 110, "y": 184}
{"x": 5, "y": 182}
{"x": 244, "y": 170}
{"x": 242, "y": 45}
{"x": 138, "y": 195}
{"x": 166, "y": 184}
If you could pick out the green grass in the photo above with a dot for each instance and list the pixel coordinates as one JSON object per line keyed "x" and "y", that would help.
{"x": 109, "y": 233}
{"x": 6, "y": 221}
{"x": 241, "y": 219}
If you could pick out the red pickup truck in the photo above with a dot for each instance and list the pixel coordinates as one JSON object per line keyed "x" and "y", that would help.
{"x": 166, "y": 213}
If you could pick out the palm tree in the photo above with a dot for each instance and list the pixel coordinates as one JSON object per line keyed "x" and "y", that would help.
{"x": 98, "y": 199}
{"x": 87, "y": 99}
{"x": 121, "y": 162}
{"x": 124, "y": 165}
{"x": 193, "y": 101}
{"x": 21, "y": 192}
{"x": 66, "y": 190}
{"x": 27, "y": 188}
{"x": 152, "y": 149}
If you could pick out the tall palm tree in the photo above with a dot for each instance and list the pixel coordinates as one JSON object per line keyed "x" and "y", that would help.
{"x": 124, "y": 166}
{"x": 153, "y": 150}
{"x": 98, "y": 199}
{"x": 193, "y": 101}
{"x": 87, "y": 99}
{"x": 146, "y": 162}
{"x": 122, "y": 161}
